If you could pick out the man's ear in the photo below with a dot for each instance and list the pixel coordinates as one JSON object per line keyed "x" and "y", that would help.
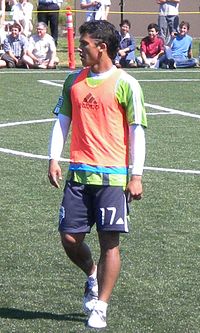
{"x": 103, "y": 47}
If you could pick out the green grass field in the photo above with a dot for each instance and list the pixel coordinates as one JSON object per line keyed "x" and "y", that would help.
{"x": 159, "y": 287}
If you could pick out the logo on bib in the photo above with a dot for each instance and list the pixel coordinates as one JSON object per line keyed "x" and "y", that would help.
{"x": 90, "y": 103}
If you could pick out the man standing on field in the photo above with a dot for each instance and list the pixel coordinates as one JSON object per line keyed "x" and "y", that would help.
{"x": 105, "y": 107}
{"x": 168, "y": 19}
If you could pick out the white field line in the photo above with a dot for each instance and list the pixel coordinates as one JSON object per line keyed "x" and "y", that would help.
{"x": 27, "y": 122}
{"x": 173, "y": 111}
{"x": 51, "y": 83}
{"x": 44, "y": 157}
{"x": 59, "y": 83}
{"x": 158, "y": 113}
{"x": 171, "y": 80}
{"x": 35, "y": 71}
{"x": 197, "y": 172}
{"x": 157, "y": 107}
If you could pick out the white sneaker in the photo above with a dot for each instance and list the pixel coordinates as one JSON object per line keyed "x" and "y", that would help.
{"x": 90, "y": 295}
{"x": 97, "y": 318}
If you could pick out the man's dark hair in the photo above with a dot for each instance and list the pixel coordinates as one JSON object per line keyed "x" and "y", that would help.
{"x": 127, "y": 22}
{"x": 104, "y": 32}
{"x": 187, "y": 24}
{"x": 16, "y": 26}
{"x": 153, "y": 26}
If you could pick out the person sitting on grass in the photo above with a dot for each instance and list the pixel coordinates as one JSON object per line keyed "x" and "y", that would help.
{"x": 15, "y": 46}
{"x": 126, "y": 53}
{"x": 41, "y": 52}
{"x": 151, "y": 48}
{"x": 178, "y": 52}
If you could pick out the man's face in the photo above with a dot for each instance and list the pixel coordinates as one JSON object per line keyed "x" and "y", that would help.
{"x": 15, "y": 32}
{"x": 124, "y": 29}
{"x": 183, "y": 30}
{"x": 152, "y": 33}
{"x": 89, "y": 50}
{"x": 41, "y": 31}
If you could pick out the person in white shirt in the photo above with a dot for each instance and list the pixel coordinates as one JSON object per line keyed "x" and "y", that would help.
{"x": 22, "y": 14}
{"x": 96, "y": 10}
{"x": 168, "y": 19}
{"x": 41, "y": 52}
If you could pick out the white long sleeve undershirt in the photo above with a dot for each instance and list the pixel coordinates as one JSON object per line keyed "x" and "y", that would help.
{"x": 137, "y": 143}
{"x": 137, "y": 148}
{"x": 58, "y": 136}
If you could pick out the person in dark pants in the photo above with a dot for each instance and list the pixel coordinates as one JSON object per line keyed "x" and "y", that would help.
{"x": 48, "y": 12}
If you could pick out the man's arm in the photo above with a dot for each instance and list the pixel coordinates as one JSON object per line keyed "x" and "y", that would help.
{"x": 7, "y": 49}
{"x": 57, "y": 140}
{"x": 173, "y": 0}
{"x": 137, "y": 151}
{"x": 190, "y": 54}
{"x": 143, "y": 51}
{"x": 85, "y": 5}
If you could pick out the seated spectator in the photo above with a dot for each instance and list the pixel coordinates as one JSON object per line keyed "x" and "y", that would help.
{"x": 22, "y": 14}
{"x": 151, "y": 48}
{"x": 42, "y": 49}
{"x": 15, "y": 46}
{"x": 126, "y": 54}
{"x": 178, "y": 53}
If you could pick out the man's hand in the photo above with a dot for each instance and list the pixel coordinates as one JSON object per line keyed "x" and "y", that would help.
{"x": 134, "y": 188}
{"x": 54, "y": 173}
{"x": 154, "y": 60}
{"x": 122, "y": 53}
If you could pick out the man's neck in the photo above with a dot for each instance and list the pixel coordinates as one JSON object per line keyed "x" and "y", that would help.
{"x": 102, "y": 66}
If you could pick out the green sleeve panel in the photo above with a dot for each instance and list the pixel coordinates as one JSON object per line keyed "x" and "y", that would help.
{"x": 66, "y": 108}
{"x": 129, "y": 94}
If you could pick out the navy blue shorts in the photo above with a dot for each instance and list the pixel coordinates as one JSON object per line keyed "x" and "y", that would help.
{"x": 84, "y": 205}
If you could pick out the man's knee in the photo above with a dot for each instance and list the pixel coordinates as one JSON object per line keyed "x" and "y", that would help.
{"x": 71, "y": 240}
{"x": 108, "y": 240}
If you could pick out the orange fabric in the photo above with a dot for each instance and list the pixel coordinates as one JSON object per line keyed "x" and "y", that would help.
{"x": 99, "y": 126}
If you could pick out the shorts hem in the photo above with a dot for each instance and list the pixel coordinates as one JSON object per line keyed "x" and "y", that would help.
{"x": 72, "y": 231}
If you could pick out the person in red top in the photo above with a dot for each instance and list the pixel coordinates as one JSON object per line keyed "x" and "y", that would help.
{"x": 151, "y": 48}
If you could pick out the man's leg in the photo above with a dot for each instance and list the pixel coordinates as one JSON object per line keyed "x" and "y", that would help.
{"x": 130, "y": 59}
{"x": 2, "y": 64}
{"x": 109, "y": 264}
{"x": 53, "y": 19}
{"x": 80, "y": 254}
{"x": 78, "y": 251}
{"x": 107, "y": 274}
{"x": 162, "y": 23}
{"x": 42, "y": 15}
{"x": 186, "y": 63}
{"x": 173, "y": 23}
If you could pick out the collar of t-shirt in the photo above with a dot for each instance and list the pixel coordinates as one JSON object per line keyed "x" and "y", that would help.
{"x": 103, "y": 75}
